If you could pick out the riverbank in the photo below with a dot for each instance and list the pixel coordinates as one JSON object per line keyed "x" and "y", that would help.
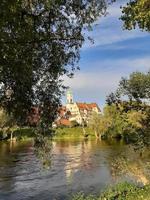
{"x": 27, "y": 133}
{"x": 24, "y": 133}
{"x": 123, "y": 191}
{"x": 63, "y": 133}
{"x": 73, "y": 133}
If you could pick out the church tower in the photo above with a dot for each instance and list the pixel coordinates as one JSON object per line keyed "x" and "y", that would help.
{"x": 69, "y": 97}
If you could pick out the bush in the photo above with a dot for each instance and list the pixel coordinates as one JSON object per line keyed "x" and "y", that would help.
{"x": 24, "y": 133}
{"x": 123, "y": 191}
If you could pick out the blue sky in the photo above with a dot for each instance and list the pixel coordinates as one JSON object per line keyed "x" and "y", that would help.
{"x": 115, "y": 53}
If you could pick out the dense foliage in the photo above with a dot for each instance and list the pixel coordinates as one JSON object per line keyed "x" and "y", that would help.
{"x": 127, "y": 113}
{"x": 39, "y": 43}
{"x": 137, "y": 14}
{"x": 121, "y": 191}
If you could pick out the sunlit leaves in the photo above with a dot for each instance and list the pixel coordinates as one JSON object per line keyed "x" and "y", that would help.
{"x": 137, "y": 14}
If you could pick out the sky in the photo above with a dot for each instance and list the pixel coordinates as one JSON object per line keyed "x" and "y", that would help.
{"x": 115, "y": 53}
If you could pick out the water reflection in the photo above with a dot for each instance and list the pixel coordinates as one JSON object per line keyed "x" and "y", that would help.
{"x": 86, "y": 165}
{"x": 135, "y": 167}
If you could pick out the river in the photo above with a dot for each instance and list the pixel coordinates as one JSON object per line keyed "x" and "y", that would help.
{"x": 88, "y": 166}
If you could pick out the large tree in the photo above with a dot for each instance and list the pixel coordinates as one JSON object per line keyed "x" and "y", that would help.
{"x": 40, "y": 42}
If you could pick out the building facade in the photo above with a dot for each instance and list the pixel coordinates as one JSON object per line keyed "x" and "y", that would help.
{"x": 76, "y": 111}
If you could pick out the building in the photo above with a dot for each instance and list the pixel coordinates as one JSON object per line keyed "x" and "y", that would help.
{"x": 76, "y": 111}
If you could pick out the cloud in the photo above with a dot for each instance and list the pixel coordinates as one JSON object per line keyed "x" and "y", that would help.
{"x": 101, "y": 66}
{"x": 103, "y": 78}
{"x": 110, "y": 29}
{"x": 111, "y": 36}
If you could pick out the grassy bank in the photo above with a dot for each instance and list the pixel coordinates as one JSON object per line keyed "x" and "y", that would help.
{"x": 124, "y": 191}
{"x": 24, "y": 133}
{"x": 72, "y": 133}
{"x": 27, "y": 133}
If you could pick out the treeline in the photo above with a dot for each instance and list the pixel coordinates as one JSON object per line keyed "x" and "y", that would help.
{"x": 127, "y": 111}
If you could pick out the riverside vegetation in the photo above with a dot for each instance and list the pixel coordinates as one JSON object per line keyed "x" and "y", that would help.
{"x": 123, "y": 191}
{"x": 128, "y": 119}
{"x": 35, "y": 39}
{"x": 125, "y": 119}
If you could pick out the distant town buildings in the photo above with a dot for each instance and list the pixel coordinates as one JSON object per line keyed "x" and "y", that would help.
{"x": 76, "y": 112}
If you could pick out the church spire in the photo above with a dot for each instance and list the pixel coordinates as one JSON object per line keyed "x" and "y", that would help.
{"x": 69, "y": 97}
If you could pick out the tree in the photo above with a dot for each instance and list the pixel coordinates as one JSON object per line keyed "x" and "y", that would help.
{"x": 99, "y": 124}
{"x": 113, "y": 98}
{"x": 6, "y": 123}
{"x": 3, "y": 118}
{"x": 130, "y": 117}
{"x": 136, "y": 13}
{"x": 117, "y": 120}
{"x": 136, "y": 87}
{"x": 40, "y": 42}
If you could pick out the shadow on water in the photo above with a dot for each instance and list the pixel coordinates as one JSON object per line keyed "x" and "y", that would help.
{"x": 58, "y": 169}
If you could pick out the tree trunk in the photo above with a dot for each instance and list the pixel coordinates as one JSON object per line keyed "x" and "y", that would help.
{"x": 11, "y": 135}
{"x": 96, "y": 134}
{"x": 84, "y": 132}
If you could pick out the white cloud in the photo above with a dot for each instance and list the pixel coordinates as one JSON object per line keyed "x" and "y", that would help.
{"x": 110, "y": 36}
{"x": 97, "y": 84}
{"x": 93, "y": 80}
{"x": 102, "y": 77}
{"x": 110, "y": 29}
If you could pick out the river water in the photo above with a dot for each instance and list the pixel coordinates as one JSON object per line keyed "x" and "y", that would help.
{"x": 88, "y": 166}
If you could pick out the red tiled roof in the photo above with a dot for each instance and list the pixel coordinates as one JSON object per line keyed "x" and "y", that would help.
{"x": 64, "y": 122}
{"x": 87, "y": 106}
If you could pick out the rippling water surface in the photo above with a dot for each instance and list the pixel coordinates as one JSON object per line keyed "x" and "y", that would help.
{"x": 88, "y": 166}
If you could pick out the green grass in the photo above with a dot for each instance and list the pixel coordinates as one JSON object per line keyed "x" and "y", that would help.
{"x": 123, "y": 191}
{"x": 24, "y": 133}
{"x": 72, "y": 133}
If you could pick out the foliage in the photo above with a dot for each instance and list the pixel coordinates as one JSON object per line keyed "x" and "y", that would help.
{"x": 74, "y": 133}
{"x": 94, "y": 123}
{"x": 116, "y": 121}
{"x": 125, "y": 122}
{"x": 74, "y": 124}
{"x": 137, "y": 13}
{"x": 131, "y": 117}
{"x": 43, "y": 147}
{"x": 126, "y": 191}
{"x": 7, "y": 122}
{"x": 24, "y": 133}
{"x": 4, "y": 118}
{"x": 113, "y": 98}
{"x": 136, "y": 87}
{"x": 40, "y": 43}
{"x": 119, "y": 192}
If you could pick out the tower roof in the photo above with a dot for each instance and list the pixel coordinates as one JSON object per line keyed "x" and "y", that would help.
{"x": 69, "y": 92}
